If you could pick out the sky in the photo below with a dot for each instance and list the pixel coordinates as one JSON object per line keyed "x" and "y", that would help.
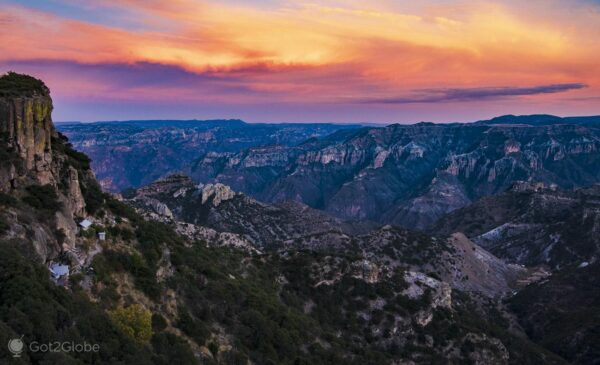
{"x": 340, "y": 61}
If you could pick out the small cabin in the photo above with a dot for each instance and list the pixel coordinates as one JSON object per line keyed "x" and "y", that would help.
{"x": 102, "y": 236}
{"x": 59, "y": 271}
{"x": 85, "y": 224}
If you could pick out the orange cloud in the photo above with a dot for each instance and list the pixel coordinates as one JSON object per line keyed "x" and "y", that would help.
{"x": 335, "y": 48}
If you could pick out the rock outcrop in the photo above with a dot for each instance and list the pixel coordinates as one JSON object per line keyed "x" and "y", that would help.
{"x": 216, "y": 193}
{"x": 26, "y": 130}
{"x": 176, "y": 198}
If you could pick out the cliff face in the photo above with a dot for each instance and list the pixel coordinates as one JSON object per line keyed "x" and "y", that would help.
{"x": 27, "y": 130}
{"x": 27, "y": 126}
{"x": 34, "y": 153}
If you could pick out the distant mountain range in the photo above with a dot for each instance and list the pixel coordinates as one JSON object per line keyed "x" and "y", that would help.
{"x": 412, "y": 174}
{"x": 404, "y": 174}
{"x": 133, "y": 153}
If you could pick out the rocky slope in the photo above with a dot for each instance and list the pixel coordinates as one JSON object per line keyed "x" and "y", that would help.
{"x": 561, "y": 313}
{"x": 536, "y": 224}
{"x": 129, "y": 154}
{"x": 293, "y": 226}
{"x": 178, "y": 198}
{"x": 533, "y": 224}
{"x": 412, "y": 174}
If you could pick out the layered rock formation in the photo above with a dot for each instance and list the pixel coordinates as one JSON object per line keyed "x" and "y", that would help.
{"x": 412, "y": 175}
{"x": 27, "y": 129}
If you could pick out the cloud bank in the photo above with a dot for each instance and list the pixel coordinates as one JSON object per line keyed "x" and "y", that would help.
{"x": 373, "y": 62}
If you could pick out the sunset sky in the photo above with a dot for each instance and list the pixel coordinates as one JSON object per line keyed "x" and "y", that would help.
{"x": 302, "y": 61}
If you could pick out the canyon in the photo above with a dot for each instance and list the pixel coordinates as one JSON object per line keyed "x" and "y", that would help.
{"x": 305, "y": 251}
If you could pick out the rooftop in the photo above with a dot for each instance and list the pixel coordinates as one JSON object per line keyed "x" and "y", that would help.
{"x": 59, "y": 270}
{"x": 85, "y": 223}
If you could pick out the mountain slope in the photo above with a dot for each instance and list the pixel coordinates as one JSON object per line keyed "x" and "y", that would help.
{"x": 532, "y": 224}
{"x": 293, "y": 226}
{"x": 562, "y": 313}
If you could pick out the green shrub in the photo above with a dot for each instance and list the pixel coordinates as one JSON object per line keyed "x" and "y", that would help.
{"x": 121, "y": 209}
{"x": 78, "y": 160}
{"x": 33, "y": 306}
{"x": 93, "y": 196}
{"x": 42, "y": 197}
{"x": 134, "y": 321}
{"x": 171, "y": 349}
{"x": 159, "y": 322}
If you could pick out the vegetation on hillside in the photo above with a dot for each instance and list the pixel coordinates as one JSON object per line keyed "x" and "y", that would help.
{"x": 14, "y": 84}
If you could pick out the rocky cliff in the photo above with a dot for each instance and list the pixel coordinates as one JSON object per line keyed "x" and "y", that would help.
{"x": 541, "y": 224}
{"x": 26, "y": 127}
{"x": 34, "y": 153}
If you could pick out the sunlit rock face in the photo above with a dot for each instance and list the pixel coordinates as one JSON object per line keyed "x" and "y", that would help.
{"x": 27, "y": 128}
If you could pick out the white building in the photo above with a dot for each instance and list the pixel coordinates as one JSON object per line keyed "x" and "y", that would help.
{"x": 58, "y": 271}
{"x": 85, "y": 224}
{"x": 102, "y": 236}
